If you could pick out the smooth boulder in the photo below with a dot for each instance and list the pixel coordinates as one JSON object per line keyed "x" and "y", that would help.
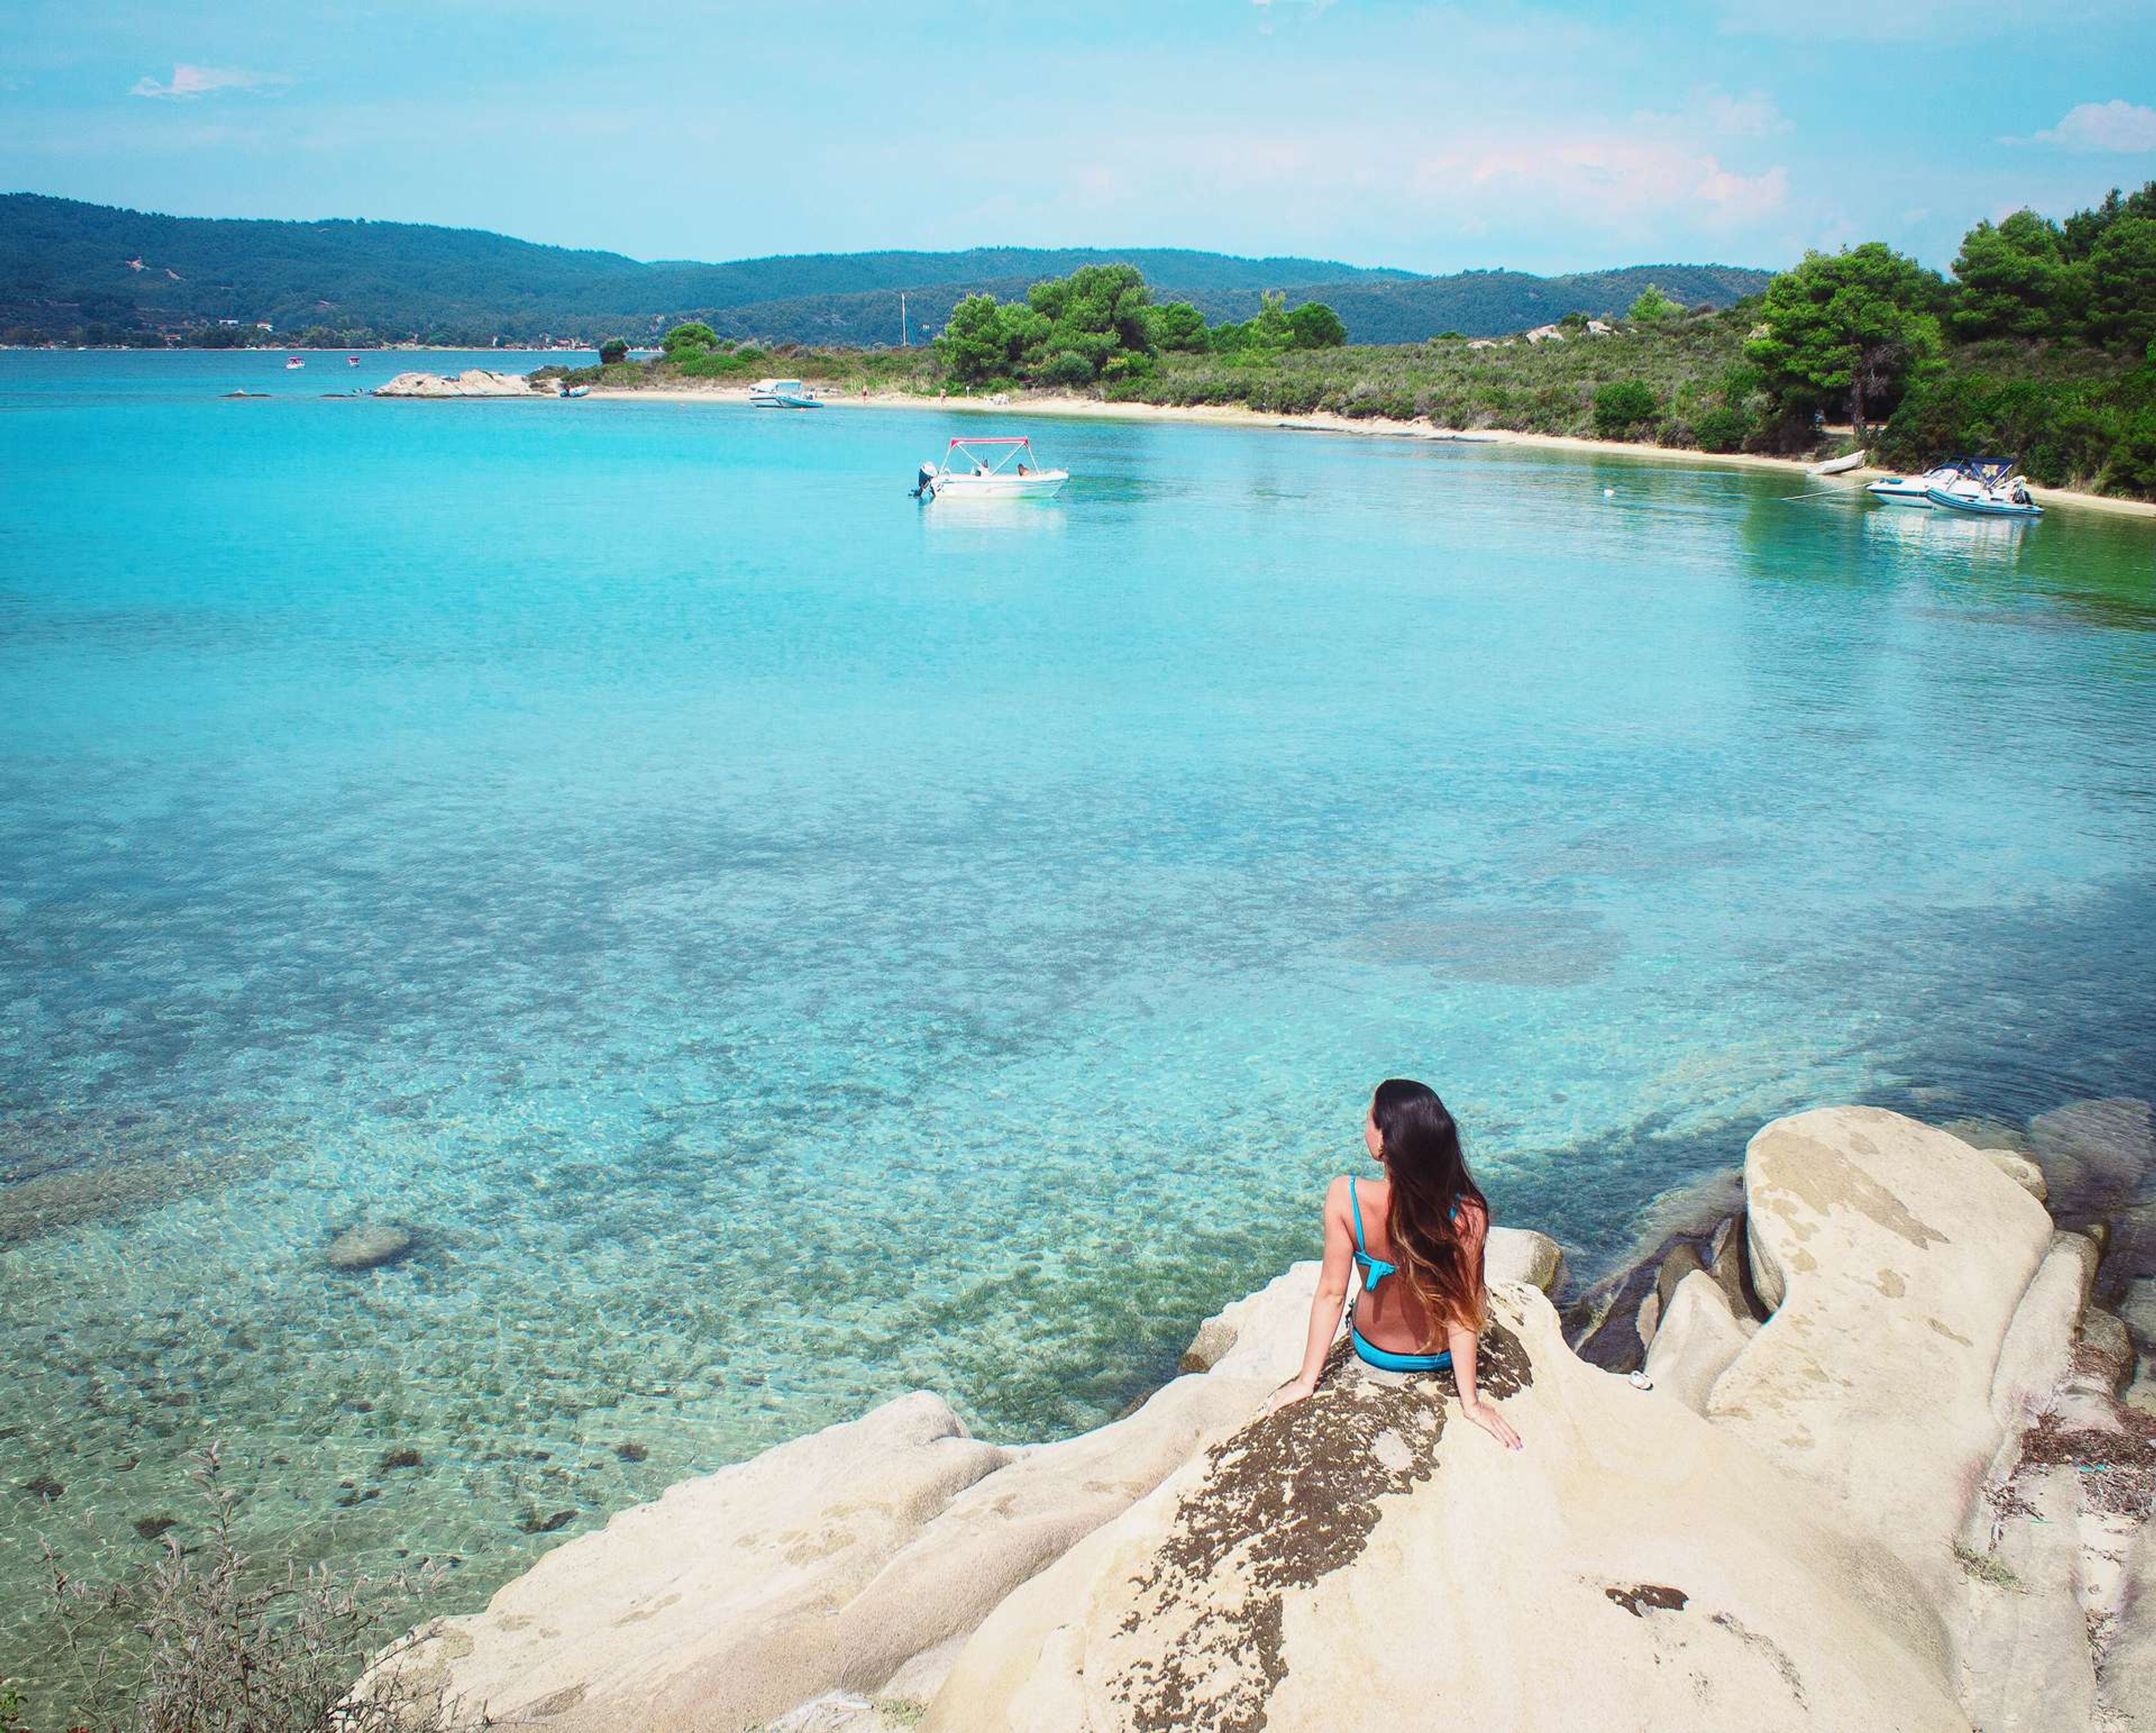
{"x": 1632, "y": 1567}
{"x": 1700, "y": 1338}
{"x": 1520, "y": 1254}
{"x": 1895, "y": 1257}
{"x": 1011, "y": 1523}
{"x": 717, "y": 1605}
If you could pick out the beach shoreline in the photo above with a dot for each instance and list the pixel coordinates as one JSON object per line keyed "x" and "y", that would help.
{"x": 1060, "y": 403}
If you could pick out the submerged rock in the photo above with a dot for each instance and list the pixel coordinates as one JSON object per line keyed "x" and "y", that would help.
{"x": 370, "y": 1244}
{"x": 2095, "y": 1154}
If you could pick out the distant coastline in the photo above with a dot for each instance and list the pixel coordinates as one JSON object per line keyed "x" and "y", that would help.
{"x": 1065, "y": 404}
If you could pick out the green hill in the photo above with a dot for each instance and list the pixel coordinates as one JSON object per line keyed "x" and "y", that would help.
{"x": 72, "y": 271}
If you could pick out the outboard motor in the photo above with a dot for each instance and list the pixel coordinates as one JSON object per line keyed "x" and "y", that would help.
{"x": 924, "y": 487}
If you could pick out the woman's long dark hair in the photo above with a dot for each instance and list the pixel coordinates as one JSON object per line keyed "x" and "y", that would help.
{"x": 1428, "y": 1171}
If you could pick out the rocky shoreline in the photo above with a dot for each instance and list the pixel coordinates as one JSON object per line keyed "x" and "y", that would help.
{"x": 1895, "y": 1469}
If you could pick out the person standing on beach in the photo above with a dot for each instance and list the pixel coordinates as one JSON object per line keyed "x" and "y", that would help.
{"x": 1417, "y": 1234}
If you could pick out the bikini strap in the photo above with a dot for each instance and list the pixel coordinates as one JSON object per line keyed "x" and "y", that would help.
{"x": 1355, "y": 1201}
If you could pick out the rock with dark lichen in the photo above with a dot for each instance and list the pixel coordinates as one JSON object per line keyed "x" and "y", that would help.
{"x": 154, "y": 1528}
{"x": 43, "y": 1486}
{"x": 369, "y": 1246}
{"x": 1630, "y": 1557}
{"x": 632, "y": 1451}
{"x": 404, "y": 1457}
{"x": 532, "y": 1523}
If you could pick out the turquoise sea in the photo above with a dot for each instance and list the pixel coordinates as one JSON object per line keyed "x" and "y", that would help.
{"x": 774, "y": 944}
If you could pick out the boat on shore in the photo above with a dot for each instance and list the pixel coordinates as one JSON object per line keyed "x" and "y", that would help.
{"x": 783, "y": 394}
{"x": 1838, "y": 465}
{"x": 998, "y": 468}
{"x": 1914, "y": 490}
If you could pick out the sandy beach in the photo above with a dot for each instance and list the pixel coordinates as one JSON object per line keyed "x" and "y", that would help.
{"x": 1368, "y": 426}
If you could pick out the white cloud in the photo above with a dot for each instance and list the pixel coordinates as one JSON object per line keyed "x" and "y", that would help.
{"x": 1715, "y": 112}
{"x": 2113, "y": 126}
{"x": 1752, "y": 115}
{"x": 190, "y": 80}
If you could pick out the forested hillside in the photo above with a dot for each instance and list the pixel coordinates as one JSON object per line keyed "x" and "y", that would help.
{"x": 75, "y": 272}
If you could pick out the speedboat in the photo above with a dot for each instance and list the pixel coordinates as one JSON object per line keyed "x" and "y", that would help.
{"x": 1000, "y": 469}
{"x": 1911, "y": 490}
{"x": 783, "y": 394}
{"x": 352, "y": 361}
{"x": 291, "y": 362}
{"x": 2011, "y": 500}
{"x": 1987, "y": 488}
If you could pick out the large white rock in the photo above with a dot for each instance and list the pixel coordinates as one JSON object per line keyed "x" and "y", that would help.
{"x": 2038, "y": 1349}
{"x": 716, "y": 1605}
{"x": 1697, "y": 1341}
{"x": 1260, "y": 1335}
{"x": 2128, "y": 1680}
{"x": 1368, "y": 1556}
{"x": 830, "y": 1571}
{"x": 1520, "y": 1254}
{"x": 1010, "y": 1525}
{"x": 1895, "y": 1257}
{"x": 2024, "y": 1619}
{"x": 472, "y": 382}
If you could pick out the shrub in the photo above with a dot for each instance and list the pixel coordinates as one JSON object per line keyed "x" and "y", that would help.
{"x": 1622, "y": 405}
{"x": 221, "y": 1642}
{"x": 1068, "y": 369}
{"x": 613, "y": 350}
{"x": 691, "y": 334}
{"x": 1722, "y": 429}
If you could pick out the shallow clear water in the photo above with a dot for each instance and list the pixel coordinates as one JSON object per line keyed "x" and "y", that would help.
{"x": 776, "y": 945}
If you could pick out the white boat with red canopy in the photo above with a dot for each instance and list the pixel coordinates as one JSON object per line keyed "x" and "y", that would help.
{"x": 1002, "y": 468}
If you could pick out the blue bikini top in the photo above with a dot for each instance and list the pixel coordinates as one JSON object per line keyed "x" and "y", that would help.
{"x": 1374, "y": 1269}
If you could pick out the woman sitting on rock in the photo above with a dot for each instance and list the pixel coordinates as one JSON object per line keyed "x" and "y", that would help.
{"x": 1417, "y": 1234}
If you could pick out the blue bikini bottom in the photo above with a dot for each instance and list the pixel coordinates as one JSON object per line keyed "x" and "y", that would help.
{"x": 1386, "y": 1361}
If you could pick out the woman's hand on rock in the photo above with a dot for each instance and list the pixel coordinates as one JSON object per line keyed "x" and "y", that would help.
{"x": 1486, "y": 1415}
{"x": 1289, "y": 1394}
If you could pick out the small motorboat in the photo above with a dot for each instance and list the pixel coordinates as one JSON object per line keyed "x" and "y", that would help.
{"x": 291, "y": 362}
{"x": 1002, "y": 468}
{"x": 1914, "y": 490}
{"x": 2010, "y": 500}
{"x": 352, "y": 361}
{"x": 783, "y": 394}
{"x": 1988, "y": 488}
{"x": 1838, "y": 465}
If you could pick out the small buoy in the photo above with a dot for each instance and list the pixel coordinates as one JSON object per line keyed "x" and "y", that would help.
{"x": 1610, "y": 493}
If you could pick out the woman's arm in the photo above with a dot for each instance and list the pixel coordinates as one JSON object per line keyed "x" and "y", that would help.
{"x": 1325, "y": 1308}
{"x": 1462, "y": 1343}
{"x": 1483, "y": 1413}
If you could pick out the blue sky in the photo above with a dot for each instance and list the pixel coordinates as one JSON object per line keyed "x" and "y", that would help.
{"x": 1378, "y": 131}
